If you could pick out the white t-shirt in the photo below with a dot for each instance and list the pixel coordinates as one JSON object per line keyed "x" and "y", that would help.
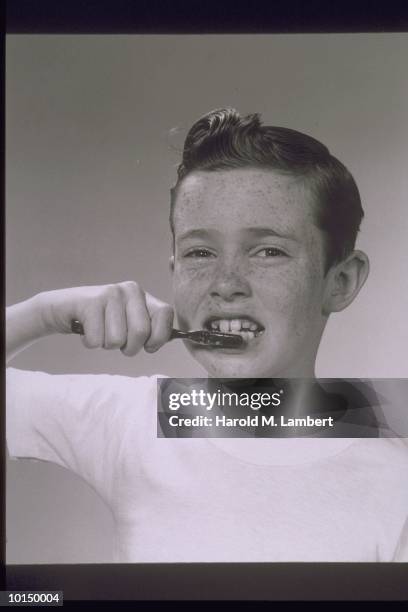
{"x": 212, "y": 499}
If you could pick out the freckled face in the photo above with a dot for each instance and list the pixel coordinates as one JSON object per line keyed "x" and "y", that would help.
{"x": 246, "y": 246}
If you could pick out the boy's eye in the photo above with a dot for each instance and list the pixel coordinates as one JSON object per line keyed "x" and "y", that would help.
{"x": 203, "y": 253}
{"x": 270, "y": 252}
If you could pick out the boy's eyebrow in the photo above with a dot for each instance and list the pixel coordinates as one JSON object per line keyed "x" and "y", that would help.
{"x": 196, "y": 233}
{"x": 260, "y": 232}
{"x": 257, "y": 232}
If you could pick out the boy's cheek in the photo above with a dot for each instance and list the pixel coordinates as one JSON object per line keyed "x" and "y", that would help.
{"x": 187, "y": 280}
{"x": 185, "y": 305}
{"x": 182, "y": 322}
{"x": 188, "y": 293}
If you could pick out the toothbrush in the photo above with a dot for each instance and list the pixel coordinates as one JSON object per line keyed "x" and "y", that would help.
{"x": 202, "y": 336}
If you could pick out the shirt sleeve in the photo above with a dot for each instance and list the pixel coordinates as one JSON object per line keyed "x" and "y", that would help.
{"x": 76, "y": 421}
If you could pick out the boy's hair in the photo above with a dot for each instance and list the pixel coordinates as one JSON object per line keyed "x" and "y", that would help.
{"x": 222, "y": 139}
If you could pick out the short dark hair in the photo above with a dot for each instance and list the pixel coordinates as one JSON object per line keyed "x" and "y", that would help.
{"x": 222, "y": 139}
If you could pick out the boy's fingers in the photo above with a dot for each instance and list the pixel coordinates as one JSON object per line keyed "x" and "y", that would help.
{"x": 94, "y": 328}
{"x": 115, "y": 325}
{"x": 125, "y": 317}
{"x": 161, "y": 328}
{"x": 138, "y": 324}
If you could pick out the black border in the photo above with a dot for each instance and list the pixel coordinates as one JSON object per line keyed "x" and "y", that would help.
{"x": 229, "y": 583}
{"x": 216, "y": 581}
{"x": 198, "y": 16}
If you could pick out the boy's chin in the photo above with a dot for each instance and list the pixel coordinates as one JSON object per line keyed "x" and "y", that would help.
{"x": 230, "y": 367}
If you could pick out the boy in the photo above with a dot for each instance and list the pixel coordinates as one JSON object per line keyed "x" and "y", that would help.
{"x": 264, "y": 222}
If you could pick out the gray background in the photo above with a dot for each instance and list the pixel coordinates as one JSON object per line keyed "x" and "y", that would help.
{"x": 90, "y": 156}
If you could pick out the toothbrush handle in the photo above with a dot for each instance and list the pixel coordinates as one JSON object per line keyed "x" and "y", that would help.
{"x": 177, "y": 333}
{"x": 202, "y": 337}
{"x": 77, "y": 328}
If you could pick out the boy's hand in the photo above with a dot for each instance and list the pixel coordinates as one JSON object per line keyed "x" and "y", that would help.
{"x": 118, "y": 316}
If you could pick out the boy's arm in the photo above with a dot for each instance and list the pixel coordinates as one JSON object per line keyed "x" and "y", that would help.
{"x": 79, "y": 421}
{"x": 24, "y": 325}
{"x": 118, "y": 316}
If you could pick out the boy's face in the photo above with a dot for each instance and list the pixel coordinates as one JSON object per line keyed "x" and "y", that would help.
{"x": 248, "y": 254}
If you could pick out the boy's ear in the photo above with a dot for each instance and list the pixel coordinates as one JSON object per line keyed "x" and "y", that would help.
{"x": 344, "y": 281}
{"x": 171, "y": 263}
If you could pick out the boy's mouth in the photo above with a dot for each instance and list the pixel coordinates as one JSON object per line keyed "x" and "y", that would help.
{"x": 244, "y": 326}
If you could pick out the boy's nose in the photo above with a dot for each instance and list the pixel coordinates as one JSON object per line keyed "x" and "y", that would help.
{"x": 229, "y": 283}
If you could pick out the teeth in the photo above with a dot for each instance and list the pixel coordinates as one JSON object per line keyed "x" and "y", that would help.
{"x": 224, "y": 326}
{"x": 250, "y": 335}
{"x": 247, "y": 335}
{"x": 241, "y": 326}
{"x": 235, "y": 325}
